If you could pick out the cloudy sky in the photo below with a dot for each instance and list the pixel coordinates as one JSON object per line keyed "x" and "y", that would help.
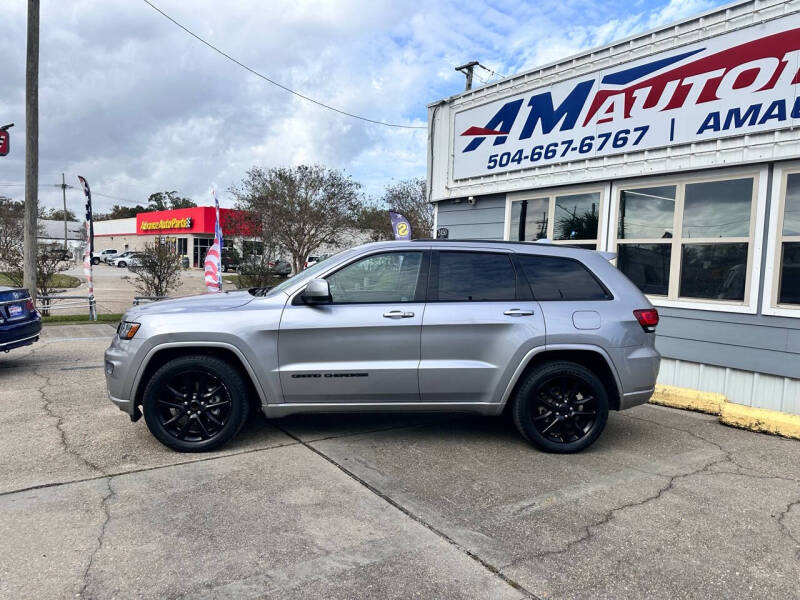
{"x": 136, "y": 105}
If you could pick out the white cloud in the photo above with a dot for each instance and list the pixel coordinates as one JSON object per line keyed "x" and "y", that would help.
{"x": 136, "y": 105}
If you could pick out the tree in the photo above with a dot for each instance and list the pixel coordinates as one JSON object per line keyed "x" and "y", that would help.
{"x": 301, "y": 208}
{"x": 11, "y": 231}
{"x": 408, "y": 198}
{"x": 158, "y": 272}
{"x": 120, "y": 212}
{"x": 58, "y": 215}
{"x": 168, "y": 201}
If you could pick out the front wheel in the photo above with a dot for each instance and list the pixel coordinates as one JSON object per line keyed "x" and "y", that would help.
{"x": 561, "y": 407}
{"x": 195, "y": 403}
{"x": 122, "y": 264}
{"x": 95, "y": 261}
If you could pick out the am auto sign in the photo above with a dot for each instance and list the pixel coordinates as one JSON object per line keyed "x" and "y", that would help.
{"x": 738, "y": 83}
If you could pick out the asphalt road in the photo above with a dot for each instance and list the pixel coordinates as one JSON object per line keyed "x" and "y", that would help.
{"x": 667, "y": 504}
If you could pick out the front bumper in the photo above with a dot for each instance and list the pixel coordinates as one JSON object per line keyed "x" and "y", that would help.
{"x": 126, "y": 406}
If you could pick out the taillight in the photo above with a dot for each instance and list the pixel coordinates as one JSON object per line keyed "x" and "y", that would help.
{"x": 648, "y": 318}
{"x": 29, "y": 305}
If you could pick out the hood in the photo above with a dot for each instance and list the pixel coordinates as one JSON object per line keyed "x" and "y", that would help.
{"x": 211, "y": 302}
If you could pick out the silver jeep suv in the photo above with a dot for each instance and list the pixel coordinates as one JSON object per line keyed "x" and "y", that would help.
{"x": 555, "y": 335}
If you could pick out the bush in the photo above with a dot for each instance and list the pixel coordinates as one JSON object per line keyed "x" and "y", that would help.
{"x": 158, "y": 272}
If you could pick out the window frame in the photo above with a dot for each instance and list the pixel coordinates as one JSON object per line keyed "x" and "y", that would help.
{"x": 775, "y": 240}
{"x": 749, "y": 304}
{"x": 520, "y": 285}
{"x": 422, "y": 278}
{"x": 551, "y": 193}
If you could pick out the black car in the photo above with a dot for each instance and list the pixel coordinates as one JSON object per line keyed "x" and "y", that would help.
{"x": 20, "y": 322}
{"x": 230, "y": 261}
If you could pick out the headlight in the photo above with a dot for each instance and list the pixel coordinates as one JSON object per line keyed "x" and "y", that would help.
{"x": 127, "y": 330}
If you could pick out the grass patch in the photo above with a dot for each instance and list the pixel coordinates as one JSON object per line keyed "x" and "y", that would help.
{"x": 73, "y": 319}
{"x": 59, "y": 280}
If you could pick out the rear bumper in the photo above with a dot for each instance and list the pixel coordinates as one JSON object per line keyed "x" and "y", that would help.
{"x": 19, "y": 334}
{"x": 635, "y": 399}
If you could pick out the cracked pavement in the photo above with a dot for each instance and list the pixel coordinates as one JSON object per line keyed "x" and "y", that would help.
{"x": 667, "y": 504}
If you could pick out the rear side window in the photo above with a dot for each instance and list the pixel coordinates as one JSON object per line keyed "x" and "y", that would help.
{"x": 475, "y": 276}
{"x": 554, "y": 278}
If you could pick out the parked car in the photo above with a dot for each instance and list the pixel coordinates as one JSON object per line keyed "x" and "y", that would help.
{"x": 556, "y": 335}
{"x": 132, "y": 259}
{"x": 20, "y": 322}
{"x": 112, "y": 259}
{"x": 102, "y": 255}
{"x": 58, "y": 254}
{"x": 229, "y": 261}
{"x": 312, "y": 260}
{"x": 280, "y": 267}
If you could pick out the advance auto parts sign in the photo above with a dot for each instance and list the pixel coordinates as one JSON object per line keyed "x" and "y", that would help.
{"x": 184, "y": 223}
{"x": 738, "y": 83}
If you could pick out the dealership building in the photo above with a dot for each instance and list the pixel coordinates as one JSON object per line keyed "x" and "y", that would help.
{"x": 190, "y": 231}
{"x": 678, "y": 150}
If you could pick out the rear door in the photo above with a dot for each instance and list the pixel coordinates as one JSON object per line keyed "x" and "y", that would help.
{"x": 364, "y": 347}
{"x": 480, "y": 321}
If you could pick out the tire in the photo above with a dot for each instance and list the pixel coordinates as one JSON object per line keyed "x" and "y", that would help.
{"x": 95, "y": 261}
{"x": 544, "y": 407}
{"x": 122, "y": 264}
{"x": 224, "y": 268}
{"x": 179, "y": 420}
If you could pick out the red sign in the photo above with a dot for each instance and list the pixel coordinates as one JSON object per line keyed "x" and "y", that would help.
{"x": 5, "y": 142}
{"x": 200, "y": 219}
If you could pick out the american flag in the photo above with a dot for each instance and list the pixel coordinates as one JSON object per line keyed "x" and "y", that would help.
{"x": 213, "y": 270}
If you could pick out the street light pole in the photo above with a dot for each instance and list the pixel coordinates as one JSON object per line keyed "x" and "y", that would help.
{"x": 31, "y": 149}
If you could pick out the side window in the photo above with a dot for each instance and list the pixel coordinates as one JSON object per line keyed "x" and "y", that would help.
{"x": 553, "y": 278}
{"x": 390, "y": 277}
{"x": 475, "y": 276}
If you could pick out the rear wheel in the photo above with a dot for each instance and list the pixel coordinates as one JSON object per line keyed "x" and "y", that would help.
{"x": 561, "y": 407}
{"x": 195, "y": 403}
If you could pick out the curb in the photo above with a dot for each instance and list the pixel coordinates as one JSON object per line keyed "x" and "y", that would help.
{"x": 687, "y": 399}
{"x": 761, "y": 420}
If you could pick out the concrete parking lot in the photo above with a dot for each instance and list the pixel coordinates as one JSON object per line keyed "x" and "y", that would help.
{"x": 667, "y": 504}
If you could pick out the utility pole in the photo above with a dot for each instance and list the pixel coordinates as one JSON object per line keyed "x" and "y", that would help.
{"x": 31, "y": 149}
{"x": 64, "y": 197}
{"x": 467, "y": 71}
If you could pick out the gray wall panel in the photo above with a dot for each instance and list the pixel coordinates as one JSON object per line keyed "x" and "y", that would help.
{"x": 736, "y": 357}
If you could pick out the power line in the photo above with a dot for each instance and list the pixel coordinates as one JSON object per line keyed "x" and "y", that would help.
{"x": 272, "y": 81}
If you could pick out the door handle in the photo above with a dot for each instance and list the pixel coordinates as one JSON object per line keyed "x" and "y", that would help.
{"x": 398, "y": 314}
{"x": 518, "y": 312}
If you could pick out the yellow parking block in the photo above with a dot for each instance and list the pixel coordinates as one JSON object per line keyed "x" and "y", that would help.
{"x": 687, "y": 399}
{"x": 760, "y": 419}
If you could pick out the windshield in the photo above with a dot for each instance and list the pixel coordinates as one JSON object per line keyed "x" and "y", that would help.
{"x": 302, "y": 275}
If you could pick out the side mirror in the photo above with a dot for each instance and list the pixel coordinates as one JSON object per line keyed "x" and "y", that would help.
{"x": 317, "y": 292}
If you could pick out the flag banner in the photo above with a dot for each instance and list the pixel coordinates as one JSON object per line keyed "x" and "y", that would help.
{"x": 212, "y": 265}
{"x": 87, "y": 253}
{"x": 400, "y": 226}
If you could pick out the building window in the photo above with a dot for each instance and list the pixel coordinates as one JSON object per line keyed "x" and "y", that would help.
{"x": 570, "y": 217}
{"x": 689, "y": 240}
{"x": 788, "y": 248}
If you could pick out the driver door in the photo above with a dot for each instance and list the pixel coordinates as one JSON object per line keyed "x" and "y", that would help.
{"x": 364, "y": 346}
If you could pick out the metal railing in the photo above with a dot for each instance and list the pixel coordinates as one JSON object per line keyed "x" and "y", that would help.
{"x": 45, "y": 304}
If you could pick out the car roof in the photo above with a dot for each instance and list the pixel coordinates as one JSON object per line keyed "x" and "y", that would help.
{"x": 543, "y": 247}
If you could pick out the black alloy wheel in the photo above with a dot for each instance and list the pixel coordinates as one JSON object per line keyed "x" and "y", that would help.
{"x": 561, "y": 407}
{"x": 195, "y": 403}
